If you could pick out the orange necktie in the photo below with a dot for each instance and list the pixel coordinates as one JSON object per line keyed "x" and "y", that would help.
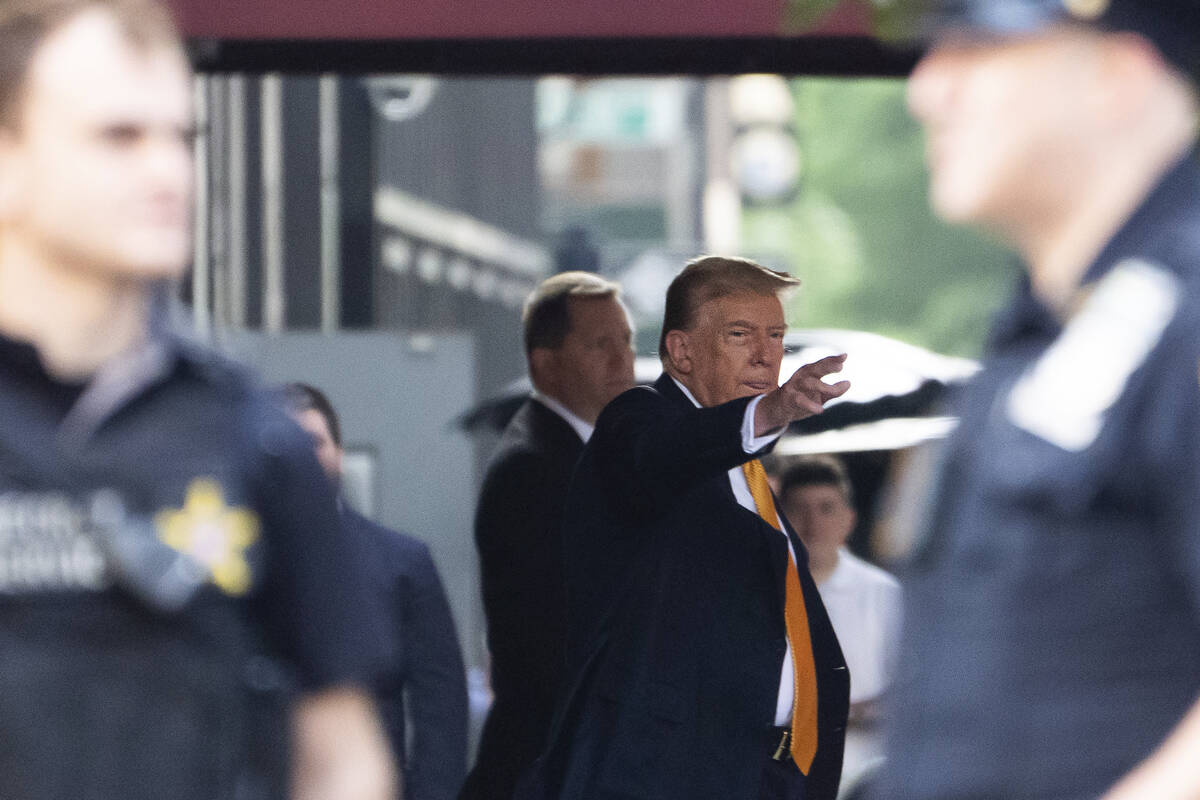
{"x": 804, "y": 670}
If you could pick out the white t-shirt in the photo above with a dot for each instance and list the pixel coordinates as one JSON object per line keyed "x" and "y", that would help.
{"x": 864, "y": 605}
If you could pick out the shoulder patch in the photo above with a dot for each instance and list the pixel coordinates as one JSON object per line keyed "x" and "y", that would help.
{"x": 1064, "y": 396}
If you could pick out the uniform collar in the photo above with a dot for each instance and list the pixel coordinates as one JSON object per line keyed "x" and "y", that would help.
{"x": 84, "y": 406}
{"x": 21, "y": 366}
{"x": 1025, "y": 317}
{"x": 1151, "y": 233}
{"x": 117, "y": 382}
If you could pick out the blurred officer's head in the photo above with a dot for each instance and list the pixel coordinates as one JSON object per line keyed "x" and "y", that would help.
{"x": 1172, "y": 26}
{"x": 723, "y": 328}
{"x": 95, "y": 126}
{"x": 1027, "y": 103}
{"x": 313, "y": 412}
{"x": 578, "y": 341}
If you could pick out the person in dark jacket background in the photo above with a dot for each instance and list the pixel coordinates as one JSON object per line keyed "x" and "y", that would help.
{"x": 423, "y": 687}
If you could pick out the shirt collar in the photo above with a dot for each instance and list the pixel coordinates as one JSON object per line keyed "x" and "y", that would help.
{"x": 581, "y": 427}
{"x": 686, "y": 392}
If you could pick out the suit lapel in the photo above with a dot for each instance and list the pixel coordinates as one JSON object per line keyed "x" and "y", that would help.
{"x": 666, "y": 386}
{"x": 776, "y": 550}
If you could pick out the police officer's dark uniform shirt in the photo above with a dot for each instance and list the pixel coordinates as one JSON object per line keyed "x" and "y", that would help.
{"x": 170, "y": 571}
{"x": 1052, "y": 630}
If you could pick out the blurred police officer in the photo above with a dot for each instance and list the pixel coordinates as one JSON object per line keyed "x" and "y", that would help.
{"x": 1054, "y": 644}
{"x": 166, "y": 568}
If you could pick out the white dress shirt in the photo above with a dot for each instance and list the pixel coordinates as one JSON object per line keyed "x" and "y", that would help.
{"x": 580, "y": 427}
{"x": 864, "y": 605}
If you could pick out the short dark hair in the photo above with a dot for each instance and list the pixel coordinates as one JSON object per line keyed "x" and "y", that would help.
{"x": 547, "y": 313}
{"x": 25, "y": 24}
{"x": 824, "y": 470}
{"x": 297, "y": 397}
{"x": 709, "y": 277}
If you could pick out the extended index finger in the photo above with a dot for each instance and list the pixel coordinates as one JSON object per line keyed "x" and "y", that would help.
{"x": 825, "y": 366}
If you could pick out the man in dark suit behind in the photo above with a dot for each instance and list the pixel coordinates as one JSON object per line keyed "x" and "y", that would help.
{"x": 423, "y": 689}
{"x": 577, "y": 342}
{"x": 701, "y": 662}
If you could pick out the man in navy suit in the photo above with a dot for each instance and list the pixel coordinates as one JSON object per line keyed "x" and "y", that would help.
{"x": 426, "y": 662}
{"x": 701, "y": 662}
{"x": 577, "y": 342}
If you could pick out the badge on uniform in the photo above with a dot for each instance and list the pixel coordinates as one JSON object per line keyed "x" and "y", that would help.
{"x": 212, "y": 533}
{"x": 1064, "y": 396}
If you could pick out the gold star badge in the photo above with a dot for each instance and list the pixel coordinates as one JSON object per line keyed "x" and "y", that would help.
{"x": 212, "y": 533}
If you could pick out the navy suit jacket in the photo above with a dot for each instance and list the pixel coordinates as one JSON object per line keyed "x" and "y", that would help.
{"x": 676, "y": 633}
{"x": 425, "y": 662}
{"x": 518, "y": 532}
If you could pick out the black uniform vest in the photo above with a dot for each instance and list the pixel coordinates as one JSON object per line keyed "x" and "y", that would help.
{"x": 131, "y": 665}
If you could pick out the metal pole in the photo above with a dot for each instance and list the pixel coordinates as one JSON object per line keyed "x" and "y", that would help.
{"x": 201, "y": 316}
{"x": 218, "y": 157}
{"x": 236, "y": 229}
{"x": 681, "y": 179}
{"x": 722, "y": 202}
{"x": 331, "y": 205}
{"x": 274, "y": 302}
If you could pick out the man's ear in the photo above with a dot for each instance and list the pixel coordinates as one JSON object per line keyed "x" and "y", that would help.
{"x": 541, "y": 364}
{"x": 679, "y": 351}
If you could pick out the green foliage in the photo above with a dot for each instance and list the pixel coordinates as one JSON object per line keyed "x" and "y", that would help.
{"x": 890, "y": 20}
{"x": 801, "y": 15}
{"x": 859, "y": 231}
{"x": 899, "y": 20}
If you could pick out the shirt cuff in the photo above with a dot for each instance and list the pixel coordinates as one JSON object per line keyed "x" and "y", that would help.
{"x": 750, "y": 442}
